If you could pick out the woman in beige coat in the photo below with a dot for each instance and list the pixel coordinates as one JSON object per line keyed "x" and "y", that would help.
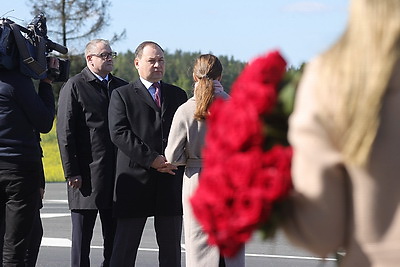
{"x": 345, "y": 132}
{"x": 185, "y": 142}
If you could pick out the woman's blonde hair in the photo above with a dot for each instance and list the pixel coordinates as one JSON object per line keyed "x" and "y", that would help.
{"x": 358, "y": 69}
{"x": 206, "y": 69}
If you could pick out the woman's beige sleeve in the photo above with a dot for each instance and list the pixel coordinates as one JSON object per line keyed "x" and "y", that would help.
{"x": 317, "y": 216}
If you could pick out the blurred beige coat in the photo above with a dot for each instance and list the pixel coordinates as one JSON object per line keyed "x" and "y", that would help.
{"x": 338, "y": 206}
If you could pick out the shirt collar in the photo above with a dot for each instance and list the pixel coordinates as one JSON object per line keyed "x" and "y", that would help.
{"x": 146, "y": 83}
{"x": 99, "y": 77}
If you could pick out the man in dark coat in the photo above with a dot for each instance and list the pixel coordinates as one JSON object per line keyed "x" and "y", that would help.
{"x": 87, "y": 153}
{"x": 140, "y": 116}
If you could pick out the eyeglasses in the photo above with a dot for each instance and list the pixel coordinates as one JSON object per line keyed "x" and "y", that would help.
{"x": 105, "y": 55}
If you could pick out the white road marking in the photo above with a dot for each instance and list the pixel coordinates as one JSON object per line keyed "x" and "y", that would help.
{"x": 57, "y": 201}
{"x": 56, "y": 242}
{"x": 289, "y": 257}
{"x": 54, "y": 215}
{"x": 65, "y": 242}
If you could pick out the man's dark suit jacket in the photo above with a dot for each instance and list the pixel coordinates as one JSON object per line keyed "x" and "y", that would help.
{"x": 140, "y": 131}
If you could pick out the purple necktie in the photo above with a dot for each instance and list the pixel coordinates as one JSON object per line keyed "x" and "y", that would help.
{"x": 157, "y": 97}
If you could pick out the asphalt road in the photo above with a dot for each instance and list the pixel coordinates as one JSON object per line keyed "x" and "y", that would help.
{"x": 56, "y": 242}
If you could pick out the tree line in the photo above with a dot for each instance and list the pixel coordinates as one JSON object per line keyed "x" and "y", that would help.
{"x": 178, "y": 68}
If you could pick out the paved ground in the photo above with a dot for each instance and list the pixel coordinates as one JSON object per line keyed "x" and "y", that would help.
{"x": 55, "y": 249}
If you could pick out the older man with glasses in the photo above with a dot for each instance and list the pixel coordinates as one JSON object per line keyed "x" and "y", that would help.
{"x": 87, "y": 153}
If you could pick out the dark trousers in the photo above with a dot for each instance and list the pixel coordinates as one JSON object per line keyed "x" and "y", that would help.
{"x": 221, "y": 261}
{"x": 83, "y": 222}
{"x": 19, "y": 197}
{"x": 34, "y": 239}
{"x": 129, "y": 233}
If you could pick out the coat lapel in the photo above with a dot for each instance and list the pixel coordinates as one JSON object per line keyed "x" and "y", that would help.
{"x": 144, "y": 94}
{"x": 164, "y": 97}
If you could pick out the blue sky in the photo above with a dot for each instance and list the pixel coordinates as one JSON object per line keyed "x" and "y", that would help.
{"x": 300, "y": 29}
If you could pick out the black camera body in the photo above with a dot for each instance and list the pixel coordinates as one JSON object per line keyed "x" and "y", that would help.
{"x": 28, "y": 49}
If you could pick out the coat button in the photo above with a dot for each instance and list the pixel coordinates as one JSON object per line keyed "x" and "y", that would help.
{"x": 165, "y": 140}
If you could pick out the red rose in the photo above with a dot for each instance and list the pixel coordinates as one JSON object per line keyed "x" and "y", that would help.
{"x": 233, "y": 127}
{"x": 269, "y": 69}
{"x": 262, "y": 97}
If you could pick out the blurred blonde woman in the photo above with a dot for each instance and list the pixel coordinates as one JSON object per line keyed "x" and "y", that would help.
{"x": 185, "y": 142}
{"x": 345, "y": 131}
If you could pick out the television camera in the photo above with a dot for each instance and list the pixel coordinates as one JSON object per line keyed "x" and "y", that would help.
{"x": 28, "y": 49}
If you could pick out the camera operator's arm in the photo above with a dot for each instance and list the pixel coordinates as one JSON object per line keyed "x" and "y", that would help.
{"x": 39, "y": 108}
{"x": 45, "y": 92}
{"x": 47, "y": 111}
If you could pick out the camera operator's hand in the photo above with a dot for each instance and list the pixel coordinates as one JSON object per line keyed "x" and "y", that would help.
{"x": 53, "y": 70}
{"x": 53, "y": 62}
